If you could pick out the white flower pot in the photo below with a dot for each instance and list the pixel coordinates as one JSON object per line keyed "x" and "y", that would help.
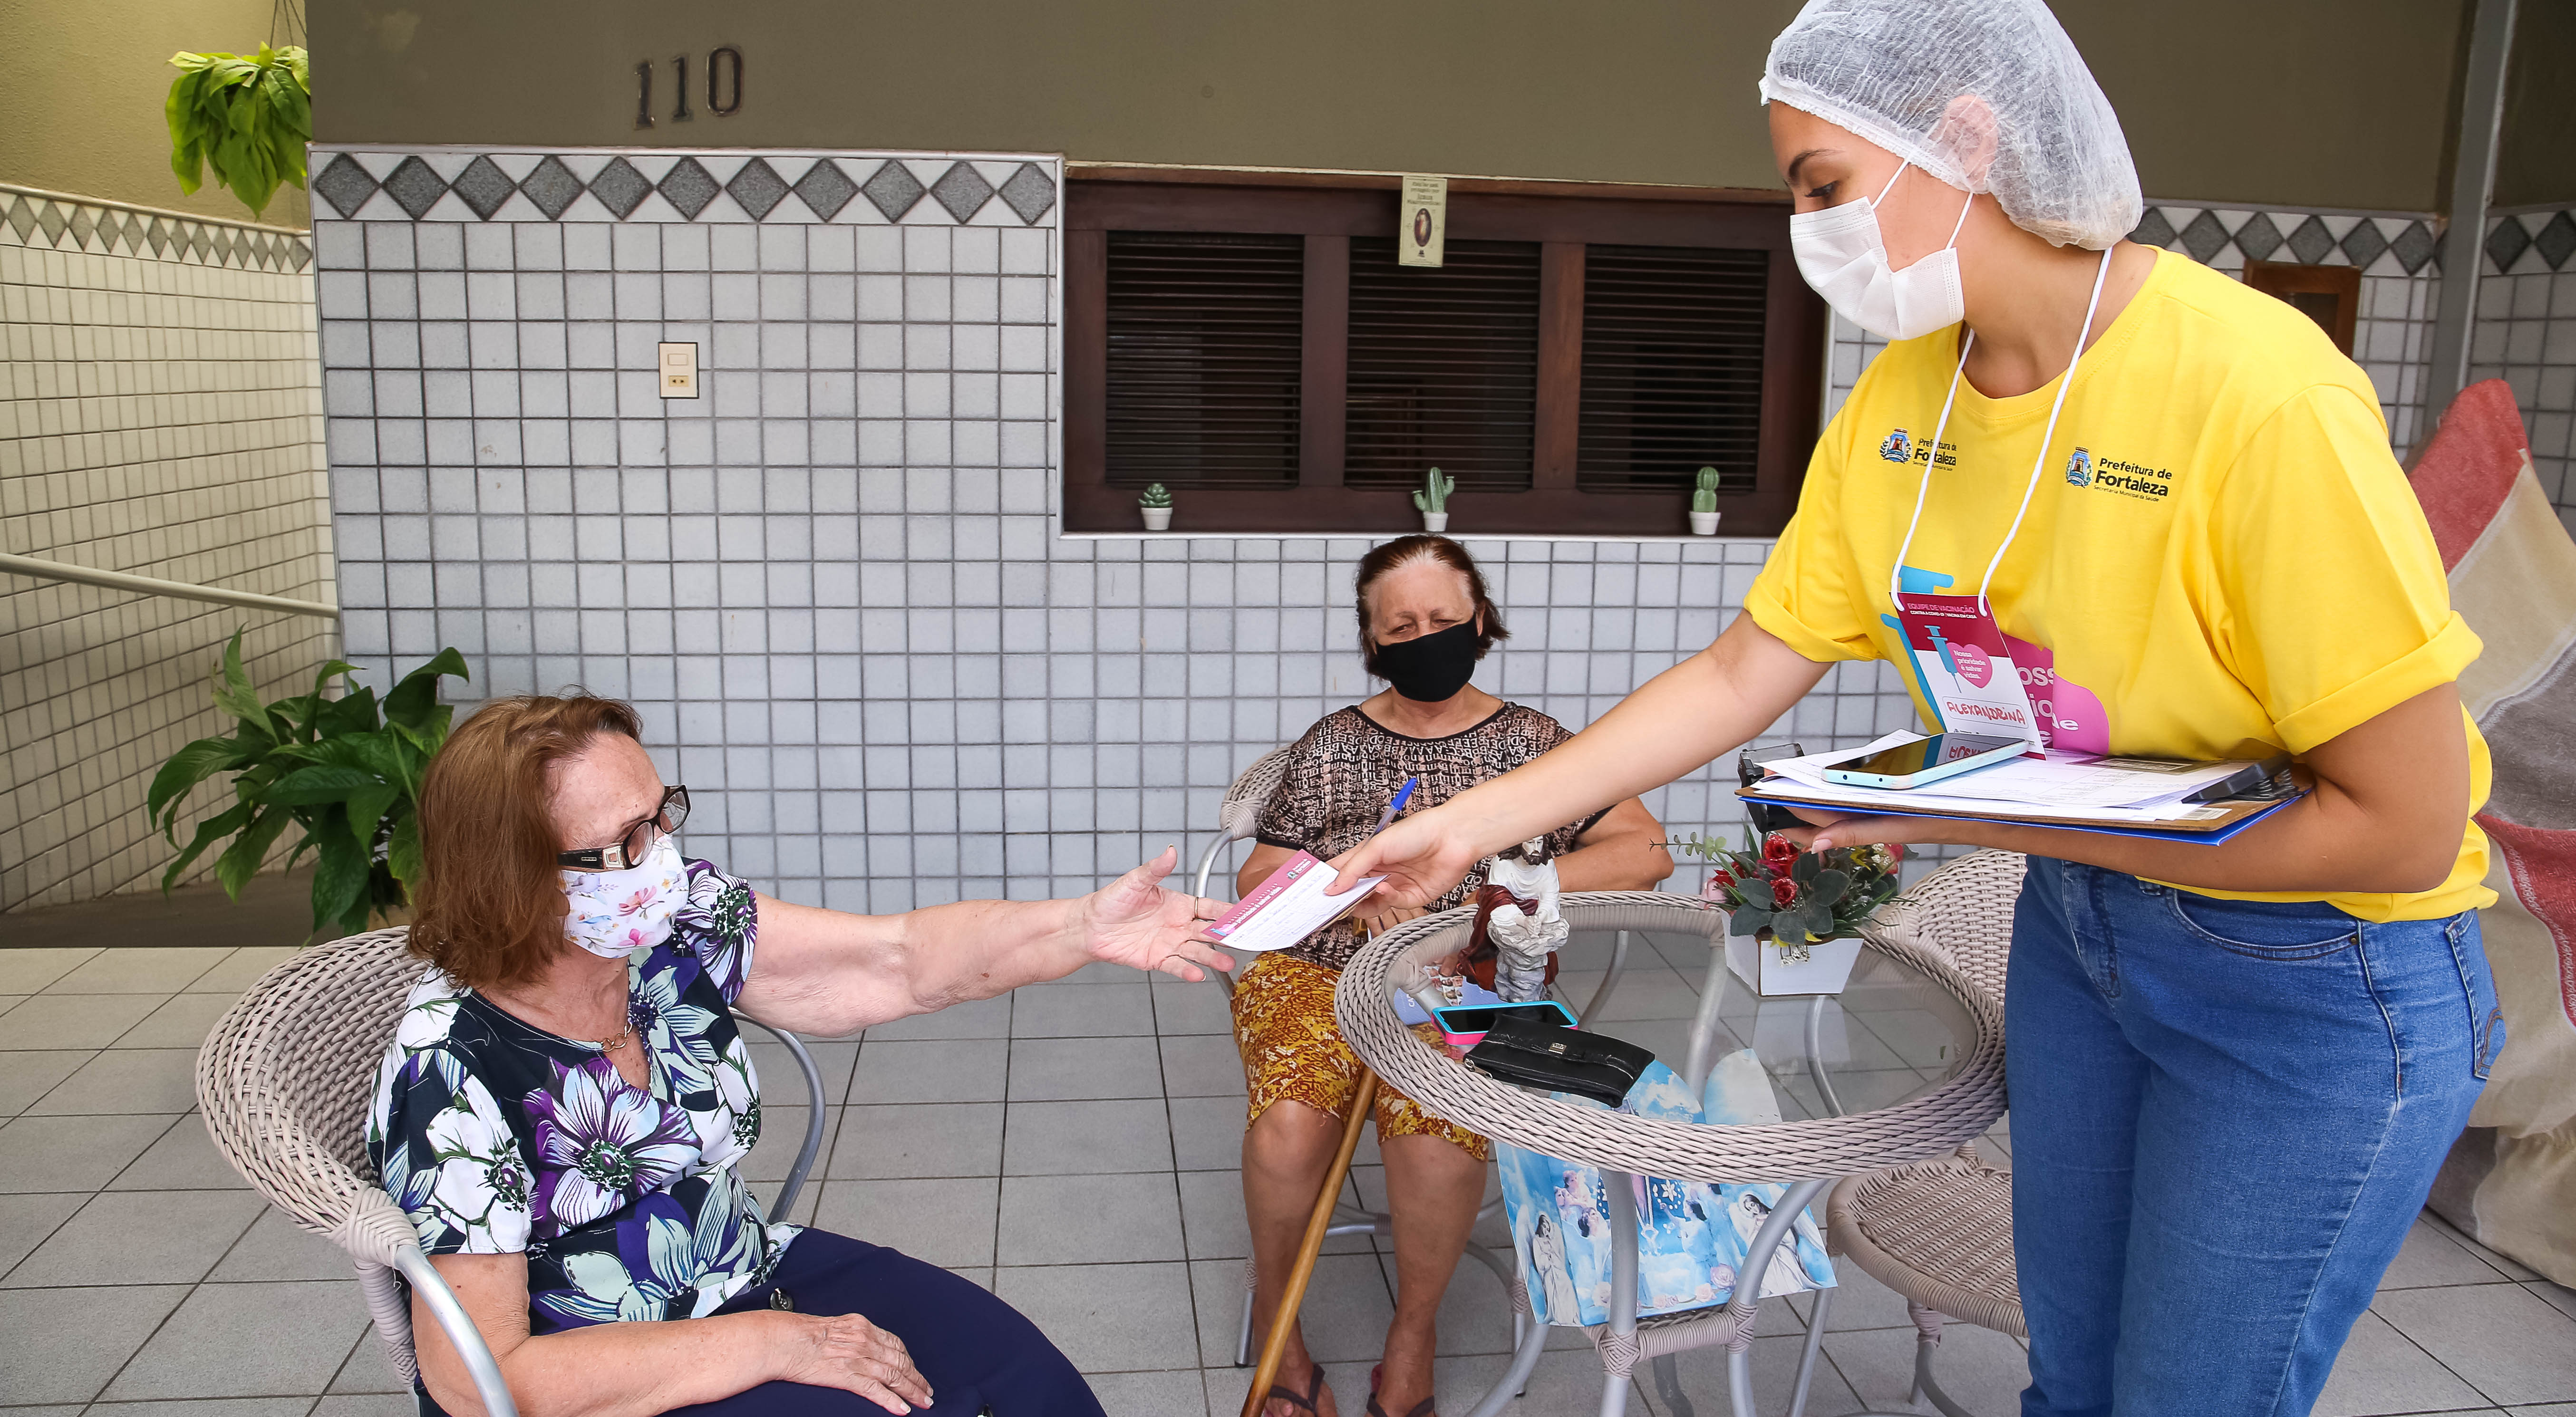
{"x": 1435, "y": 521}
{"x": 1157, "y": 518}
{"x": 1704, "y": 523}
{"x": 1826, "y": 969}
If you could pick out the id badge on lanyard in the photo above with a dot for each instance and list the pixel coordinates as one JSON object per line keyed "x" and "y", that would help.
{"x": 1962, "y": 660}
{"x": 1960, "y": 654}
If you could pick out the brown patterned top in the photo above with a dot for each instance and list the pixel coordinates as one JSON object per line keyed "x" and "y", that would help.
{"x": 1342, "y": 774}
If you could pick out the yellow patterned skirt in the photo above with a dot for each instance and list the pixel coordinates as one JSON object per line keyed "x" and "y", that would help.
{"x": 1293, "y": 1050}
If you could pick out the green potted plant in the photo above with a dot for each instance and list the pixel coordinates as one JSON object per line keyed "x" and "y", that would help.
{"x": 1703, "y": 508}
{"x": 247, "y": 116}
{"x": 345, "y": 771}
{"x": 1156, "y": 505}
{"x": 1793, "y": 916}
{"x": 1433, "y": 500}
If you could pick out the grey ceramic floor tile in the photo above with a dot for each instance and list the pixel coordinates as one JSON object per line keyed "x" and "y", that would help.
{"x": 10, "y": 1001}
{"x": 233, "y": 1340}
{"x": 1475, "y": 1310}
{"x": 1213, "y": 1223}
{"x": 1107, "y": 1317}
{"x": 74, "y": 1021}
{"x": 26, "y": 971}
{"x": 183, "y": 1159}
{"x": 945, "y": 1071}
{"x": 28, "y": 1221}
{"x": 1082, "y": 1010}
{"x": 2553, "y": 1409}
{"x": 782, "y": 1083}
{"x": 126, "y": 1080}
{"x": 1072, "y": 1069}
{"x": 1207, "y": 1133}
{"x": 1202, "y": 1065}
{"x": 782, "y": 1132}
{"x": 1181, "y": 1007}
{"x": 2557, "y": 1296}
{"x": 64, "y": 1344}
{"x": 29, "y": 1076}
{"x": 241, "y": 969}
{"x": 68, "y": 1409}
{"x": 1080, "y": 1138}
{"x": 1702, "y": 1374}
{"x": 1347, "y": 1309}
{"x": 140, "y": 1237}
{"x": 1984, "y": 1370}
{"x": 978, "y": 1018}
{"x": 369, "y": 1370}
{"x": 2502, "y": 1338}
{"x": 941, "y": 1222}
{"x": 2431, "y": 1257}
{"x": 1102, "y": 972}
{"x": 275, "y": 1248}
{"x": 919, "y": 1139}
{"x": 2505, "y": 1265}
{"x": 1089, "y": 1219}
{"x": 2380, "y": 1370}
{"x": 208, "y": 1407}
{"x": 72, "y": 1153}
{"x": 1168, "y": 1394}
{"x": 383, "y": 1404}
{"x": 138, "y": 971}
{"x": 182, "y": 1022}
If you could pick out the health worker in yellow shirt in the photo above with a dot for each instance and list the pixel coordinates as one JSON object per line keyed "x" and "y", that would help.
{"x": 2234, "y": 1069}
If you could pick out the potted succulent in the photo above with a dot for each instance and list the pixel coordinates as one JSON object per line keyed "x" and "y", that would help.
{"x": 1433, "y": 500}
{"x": 1794, "y": 917}
{"x": 1703, "y": 511}
{"x": 1156, "y": 505}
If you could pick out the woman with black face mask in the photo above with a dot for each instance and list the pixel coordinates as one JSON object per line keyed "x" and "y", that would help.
{"x": 1425, "y": 620}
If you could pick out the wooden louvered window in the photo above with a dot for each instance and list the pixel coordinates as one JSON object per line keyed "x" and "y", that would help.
{"x": 1249, "y": 341}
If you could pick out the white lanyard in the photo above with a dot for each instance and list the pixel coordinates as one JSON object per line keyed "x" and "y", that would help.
{"x": 1932, "y": 455}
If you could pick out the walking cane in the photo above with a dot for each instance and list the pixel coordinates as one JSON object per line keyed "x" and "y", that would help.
{"x": 1274, "y": 1346}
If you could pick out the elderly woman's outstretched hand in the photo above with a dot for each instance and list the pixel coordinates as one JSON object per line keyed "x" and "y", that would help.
{"x": 1135, "y": 922}
{"x": 848, "y": 1352}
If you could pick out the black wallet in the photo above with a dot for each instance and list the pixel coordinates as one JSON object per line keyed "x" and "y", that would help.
{"x": 1554, "y": 1058}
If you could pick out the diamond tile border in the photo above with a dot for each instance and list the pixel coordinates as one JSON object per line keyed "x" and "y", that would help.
{"x": 2526, "y": 242}
{"x": 701, "y": 185}
{"x": 2380, "y": 245}
{"x": 45, "y": 221}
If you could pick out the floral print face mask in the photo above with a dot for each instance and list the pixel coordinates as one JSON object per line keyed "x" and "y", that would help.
{"x": 613, "y": 913}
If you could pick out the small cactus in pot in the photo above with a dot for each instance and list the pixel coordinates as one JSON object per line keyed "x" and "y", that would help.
{"x": 1433, "y": 500}
{"x": 1156, "y": 506}
{"x": 1703, "y": 504}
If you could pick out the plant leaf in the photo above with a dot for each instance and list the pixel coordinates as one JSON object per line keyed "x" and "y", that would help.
{"x": 209, "y": 831}
{"x": 179, "y": 776}
{"x": 1829, "y": 886}
{"x": 1804, "y": 868}
{"x": 320, "y": 783}
{"x": 242, "y": 859}
{"x": 366, "y": 808}
{"x": 234, "y": 693}
{"x": 413, "y": 701}
{"x": 1747, "y": 921}
{"x": 402, "y": 851}
{"x": 339, "y": 879}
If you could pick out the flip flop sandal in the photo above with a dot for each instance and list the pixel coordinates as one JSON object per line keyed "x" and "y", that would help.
{"x": 1420, "y": 1409}
{"x": 1281, "y": 1392}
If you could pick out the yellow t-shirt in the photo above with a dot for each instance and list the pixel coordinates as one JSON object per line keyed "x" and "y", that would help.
{"x": 2222, "y": 558}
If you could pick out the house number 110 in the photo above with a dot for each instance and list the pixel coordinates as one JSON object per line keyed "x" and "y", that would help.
{"x": 724, "y": 86}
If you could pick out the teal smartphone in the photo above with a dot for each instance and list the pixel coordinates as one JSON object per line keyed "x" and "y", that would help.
{"x": 1926, "y": 760}
{"x": 1466, "y": 1024}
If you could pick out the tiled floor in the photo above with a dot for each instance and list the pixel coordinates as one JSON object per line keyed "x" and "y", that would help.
{"x": 1073, "y": 1146}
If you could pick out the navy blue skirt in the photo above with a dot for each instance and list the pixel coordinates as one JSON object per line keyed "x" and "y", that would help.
{"x": 978, "y": 1353}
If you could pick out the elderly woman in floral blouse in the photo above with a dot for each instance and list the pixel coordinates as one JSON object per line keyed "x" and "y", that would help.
{"x": 566, "y": 1105}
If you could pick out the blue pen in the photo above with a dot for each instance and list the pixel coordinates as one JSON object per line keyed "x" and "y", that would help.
{"x": 1403, "y": 795}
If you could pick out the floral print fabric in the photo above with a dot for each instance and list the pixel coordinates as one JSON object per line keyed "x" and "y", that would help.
{"x": 496, "y": 1138}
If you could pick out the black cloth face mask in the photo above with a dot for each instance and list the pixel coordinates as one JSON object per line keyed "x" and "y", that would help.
{"x": 1431, "y": 668}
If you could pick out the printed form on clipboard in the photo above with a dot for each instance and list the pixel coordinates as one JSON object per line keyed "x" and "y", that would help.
{"x": 1292, "y": 904}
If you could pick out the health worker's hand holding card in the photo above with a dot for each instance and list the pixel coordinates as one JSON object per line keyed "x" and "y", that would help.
{"x": 1291, "y": 905}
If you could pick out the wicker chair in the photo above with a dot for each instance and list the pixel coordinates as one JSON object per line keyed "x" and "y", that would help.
{"x": 285, "y": 1081}
{"x": 1940, "y": 1231}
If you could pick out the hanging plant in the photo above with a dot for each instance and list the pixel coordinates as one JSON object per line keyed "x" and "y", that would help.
{"x": 247, "y": 116}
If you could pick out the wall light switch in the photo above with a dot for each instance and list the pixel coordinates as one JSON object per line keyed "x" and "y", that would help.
{"x": 679, "y": 371}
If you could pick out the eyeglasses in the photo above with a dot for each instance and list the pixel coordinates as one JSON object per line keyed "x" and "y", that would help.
{"x": 632, "y": 843}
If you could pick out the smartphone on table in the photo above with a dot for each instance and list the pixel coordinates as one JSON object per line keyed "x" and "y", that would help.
{"x": 1465, "y": 1025}
{"x": 1926, "y": 760}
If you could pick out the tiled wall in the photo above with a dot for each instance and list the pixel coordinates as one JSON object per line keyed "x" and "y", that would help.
{"x": 834, "y": 583}
{"x": 2392, "y": 337}
{"x": 158, "y": 414}
{"x": 2526, "y": 335}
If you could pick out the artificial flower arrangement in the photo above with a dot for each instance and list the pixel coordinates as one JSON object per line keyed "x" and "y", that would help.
{"x": 1799, "y": 896}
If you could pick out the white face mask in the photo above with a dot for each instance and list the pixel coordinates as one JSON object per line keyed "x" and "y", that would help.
{"x": 1843, "y": 254}
{"x": 612, "y": 913}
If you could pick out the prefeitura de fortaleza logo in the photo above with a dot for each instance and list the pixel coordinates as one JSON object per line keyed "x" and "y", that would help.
{"x": 1898, "y": 447}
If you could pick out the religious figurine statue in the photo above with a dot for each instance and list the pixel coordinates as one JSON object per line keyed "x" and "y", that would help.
{"x": 1519, "y": 922}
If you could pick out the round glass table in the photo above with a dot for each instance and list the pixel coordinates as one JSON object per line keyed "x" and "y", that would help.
{"x": 1904, "y": 1062}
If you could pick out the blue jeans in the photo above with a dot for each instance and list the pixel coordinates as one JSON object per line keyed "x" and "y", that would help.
{"x": 2225, "y": 1117}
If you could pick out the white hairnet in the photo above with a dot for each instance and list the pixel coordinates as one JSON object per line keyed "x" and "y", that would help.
{"x": 1889, "y": 69}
